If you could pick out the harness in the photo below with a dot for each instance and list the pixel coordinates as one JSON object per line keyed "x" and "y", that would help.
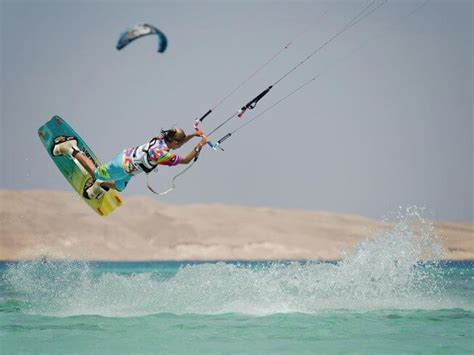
{"x": 140, "y": 156}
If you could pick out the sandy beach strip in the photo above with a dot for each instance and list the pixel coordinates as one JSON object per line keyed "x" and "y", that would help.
{"x": 58, "y": 225}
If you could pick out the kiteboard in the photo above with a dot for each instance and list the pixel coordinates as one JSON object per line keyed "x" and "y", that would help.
{"x": 72, "y": 170}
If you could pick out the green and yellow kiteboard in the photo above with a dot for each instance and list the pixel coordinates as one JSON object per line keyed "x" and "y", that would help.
{"x": 72, "y": 169}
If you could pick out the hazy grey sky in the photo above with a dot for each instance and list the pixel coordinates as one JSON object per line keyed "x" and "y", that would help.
{"x": 388, "y": 125}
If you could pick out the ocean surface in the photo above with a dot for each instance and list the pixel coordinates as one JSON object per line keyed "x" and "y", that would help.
{"x": 380, "y": 299}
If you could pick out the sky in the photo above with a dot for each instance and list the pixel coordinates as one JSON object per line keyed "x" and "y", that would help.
{"x": 388, "y": 123}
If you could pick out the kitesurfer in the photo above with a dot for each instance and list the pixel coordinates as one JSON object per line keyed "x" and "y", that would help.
{"x": 145, "y": 158}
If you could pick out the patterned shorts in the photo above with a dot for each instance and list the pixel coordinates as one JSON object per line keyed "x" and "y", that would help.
{"x": 113, "y": 171}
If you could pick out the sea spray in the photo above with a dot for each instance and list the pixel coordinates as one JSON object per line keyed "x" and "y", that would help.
{"x": 384, "y": 272}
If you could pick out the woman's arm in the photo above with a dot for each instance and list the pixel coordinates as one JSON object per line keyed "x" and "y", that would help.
{"x": 192, "y": 154}
{"x": 191, "y": 136}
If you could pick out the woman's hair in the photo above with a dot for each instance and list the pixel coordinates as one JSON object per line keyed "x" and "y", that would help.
{"x": 174, "y": 134}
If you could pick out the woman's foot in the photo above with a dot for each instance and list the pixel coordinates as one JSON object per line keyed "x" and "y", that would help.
{"x": 93, "y": 190}
{"x": 65, "y": 146}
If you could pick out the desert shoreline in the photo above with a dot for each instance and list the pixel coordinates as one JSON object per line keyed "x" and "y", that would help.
{"x": 57, "y": 225}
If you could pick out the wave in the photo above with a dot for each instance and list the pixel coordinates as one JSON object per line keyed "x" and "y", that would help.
{"x": 383, "y": 272}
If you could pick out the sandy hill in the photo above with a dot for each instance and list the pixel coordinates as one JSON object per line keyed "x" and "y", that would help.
{"x": 58, "y": 224}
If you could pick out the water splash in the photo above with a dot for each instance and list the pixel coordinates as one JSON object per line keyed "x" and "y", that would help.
{"x": 385, "y": 272}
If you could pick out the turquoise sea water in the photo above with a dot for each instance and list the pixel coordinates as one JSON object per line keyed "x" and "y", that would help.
{"x": 380, "y": 299}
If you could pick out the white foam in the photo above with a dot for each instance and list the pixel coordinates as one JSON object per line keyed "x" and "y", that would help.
{"x": 381, "y": 273}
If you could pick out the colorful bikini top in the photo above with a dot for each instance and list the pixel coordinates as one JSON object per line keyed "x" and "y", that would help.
{"x": 148, "y": 156}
